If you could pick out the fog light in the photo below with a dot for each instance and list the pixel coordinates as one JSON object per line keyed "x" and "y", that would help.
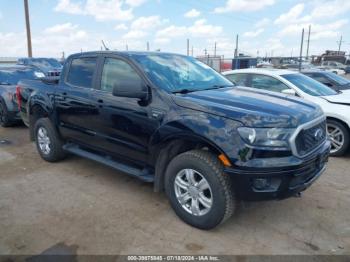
{"x": 266, "y": 184}
{"x": 261, "y": 183}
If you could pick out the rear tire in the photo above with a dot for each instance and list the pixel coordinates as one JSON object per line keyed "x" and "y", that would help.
{"x": 4, "y": 118}
{"x": 339, "y": 136}
{"x": 48, "y": 142}
{"x": 204, "y": 209}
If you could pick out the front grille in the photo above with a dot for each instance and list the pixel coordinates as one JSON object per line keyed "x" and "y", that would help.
{"x": 310, "y": 138}
{"x": 53, "y": 73}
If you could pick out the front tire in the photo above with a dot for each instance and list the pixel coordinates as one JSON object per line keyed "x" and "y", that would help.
{"x": 339, "y": 136}
{"x": 48, "y": 141}
{"x": 200, "y": 193}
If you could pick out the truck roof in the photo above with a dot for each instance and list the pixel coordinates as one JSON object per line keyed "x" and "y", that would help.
{"x": 124, "y": 53}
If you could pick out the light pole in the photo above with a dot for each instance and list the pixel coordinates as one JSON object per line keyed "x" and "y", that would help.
{"x": 29, "y": 37}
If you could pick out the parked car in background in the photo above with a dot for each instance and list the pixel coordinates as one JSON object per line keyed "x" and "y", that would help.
{"x": 172, "y": 120}
{"x": 49, "y": 66}
{"x": 9, "y": 77}
{"x": 335, "y": 104}
{"x": 334, "y": 67}
{"x": 330, "y": 79}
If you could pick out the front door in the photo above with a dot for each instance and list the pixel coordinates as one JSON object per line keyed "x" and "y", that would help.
{"x": 124, "y": 125}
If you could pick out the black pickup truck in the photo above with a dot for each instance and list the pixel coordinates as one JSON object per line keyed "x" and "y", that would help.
{"x": 171, "y": 120}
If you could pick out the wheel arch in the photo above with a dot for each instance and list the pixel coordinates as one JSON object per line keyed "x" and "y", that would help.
{"x": 174, "y": 145}
{"x": 36, "y": 112}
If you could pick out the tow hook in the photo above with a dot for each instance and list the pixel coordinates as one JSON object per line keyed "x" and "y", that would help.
{"x": 299, "y": 194}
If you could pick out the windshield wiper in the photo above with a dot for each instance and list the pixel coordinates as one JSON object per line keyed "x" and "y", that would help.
{"x": 218, "y": 87}
{"x": 183, "y": 91}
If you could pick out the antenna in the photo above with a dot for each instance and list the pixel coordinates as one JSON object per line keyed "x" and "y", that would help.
{"x": 103, "y": 43}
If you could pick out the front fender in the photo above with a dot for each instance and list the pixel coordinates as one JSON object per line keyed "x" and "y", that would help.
{"x": 219, "y": 132}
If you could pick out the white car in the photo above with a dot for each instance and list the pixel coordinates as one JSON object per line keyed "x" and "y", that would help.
{"x": 335, "y": 104}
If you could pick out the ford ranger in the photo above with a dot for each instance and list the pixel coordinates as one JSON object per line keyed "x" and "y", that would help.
{"x": 172, "y": 120}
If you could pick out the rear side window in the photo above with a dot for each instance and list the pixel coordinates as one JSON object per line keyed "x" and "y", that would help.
{"x": 267, "y": 83}
{"x": 238, "y": 79}
{"x": 81, "y": 72}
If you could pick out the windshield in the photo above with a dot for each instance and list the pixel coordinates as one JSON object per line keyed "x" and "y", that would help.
{"x": 46, "y": 62}
{"x": 338, "y": 79}
{"x": 177, "y": 73}
{"x": 309, "y": 85}
{"x": 11, "y": 77}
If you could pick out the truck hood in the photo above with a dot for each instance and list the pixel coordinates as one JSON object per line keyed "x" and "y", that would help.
{"x": 342, "y": 98}
{"x": 251, "y": 107}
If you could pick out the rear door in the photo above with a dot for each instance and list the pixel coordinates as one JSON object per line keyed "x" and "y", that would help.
{"x": 73, "y": 100}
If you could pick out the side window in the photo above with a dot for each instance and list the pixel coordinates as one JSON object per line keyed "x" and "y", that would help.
{"x": 238, "y": 79}
{"x": 267, "y": 83}
{"x": 116, "y": 71}
{"x": 81, "y": 72}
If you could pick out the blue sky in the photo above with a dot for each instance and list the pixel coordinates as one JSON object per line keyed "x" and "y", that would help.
{"x": 264, "y": 26}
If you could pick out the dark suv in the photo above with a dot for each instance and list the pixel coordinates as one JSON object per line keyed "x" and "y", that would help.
{"x": 172, "y": 120}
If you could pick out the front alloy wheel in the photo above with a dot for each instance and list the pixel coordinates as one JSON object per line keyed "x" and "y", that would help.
{"x": 193, "y": 192}
{"x": 199, "y": 190}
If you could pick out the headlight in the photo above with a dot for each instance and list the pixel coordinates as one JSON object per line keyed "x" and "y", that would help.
{"x": 39, "y": 74}
{"x": 266, "y": 137}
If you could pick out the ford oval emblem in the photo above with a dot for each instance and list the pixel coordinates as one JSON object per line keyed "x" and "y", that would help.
{"x": 318, "y": 134}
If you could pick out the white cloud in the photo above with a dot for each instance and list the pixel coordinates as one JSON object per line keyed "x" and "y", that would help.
{"x": 121, "y": 27}
{"x": 254, "y": 33}
{"x": 147, "y": 23}
{"x": 162, "y": 41}
{"x": 328, "y": 30}
{"x": 135, "y": 3}
{"x": 291, "y": 16}
{"x": 135, "y": 34}
{"x": 330, "y": 8}
{"x": 262, "y": 23}
{"x": 1, "y": 16}
{"x": 101, "y": 10}
{"x": 243, "y": 5}
{"x": 60, "y": 28}
{"x": 172, "y": 31}
{"x": 66, "y": 6}
{"x": 192, "y": 13}
{"x": 201, "y": 29}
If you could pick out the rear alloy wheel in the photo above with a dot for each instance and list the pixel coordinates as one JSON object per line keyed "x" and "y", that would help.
{"x": 48, "y": 141}
{"x": 339, "y": 137}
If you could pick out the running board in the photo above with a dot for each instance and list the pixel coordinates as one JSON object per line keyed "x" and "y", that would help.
{"x": 142, "y": 174}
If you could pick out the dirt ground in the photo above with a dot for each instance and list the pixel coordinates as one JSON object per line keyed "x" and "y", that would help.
{"x": 86, "y": 208}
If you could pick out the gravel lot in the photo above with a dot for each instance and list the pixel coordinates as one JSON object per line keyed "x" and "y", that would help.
{"x": 87, "y": 208}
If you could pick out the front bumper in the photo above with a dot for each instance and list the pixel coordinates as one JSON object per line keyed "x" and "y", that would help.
{"x": 279, "y": 183}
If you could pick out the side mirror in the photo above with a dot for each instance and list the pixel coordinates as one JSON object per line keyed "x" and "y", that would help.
{"x": 289, "y": 91}
{"x": 131, "y": 88}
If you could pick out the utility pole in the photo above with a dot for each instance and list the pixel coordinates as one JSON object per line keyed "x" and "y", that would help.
{"x": 147, "y": 46}
{"x": 236, "y": 53}
{"x": 308, "y": 43}
{"x": 301, "y": 49}
{"x": 215, "y": 49}
{"x": 192, "y": 51}
{"x": 340, "y": 42}
{"x": 188, "y": 47}
{"x": 29, "y": 37}
{"x": 205, "y": 52}
{"x": 127, "y": 47}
